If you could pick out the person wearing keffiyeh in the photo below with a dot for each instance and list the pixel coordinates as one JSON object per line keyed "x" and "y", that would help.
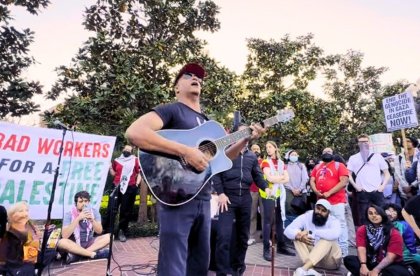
{"x": 79, "y": 225}
{"x": 379, "y": 247}
{"x": 126, "y": 172}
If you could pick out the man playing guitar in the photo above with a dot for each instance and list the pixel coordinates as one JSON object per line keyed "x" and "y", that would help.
{"x": 184, "y": 230}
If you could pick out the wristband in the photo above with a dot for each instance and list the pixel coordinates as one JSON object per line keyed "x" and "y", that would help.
{"x": 362, "y": 263}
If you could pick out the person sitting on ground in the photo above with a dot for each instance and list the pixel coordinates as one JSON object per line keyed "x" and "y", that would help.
{"x": 20, "y": 246}
{"x": 410, "y": 255}
{"x": 79, "y": 225}
{"x": 379, "y": 247}
{"x": 315, "y": 238}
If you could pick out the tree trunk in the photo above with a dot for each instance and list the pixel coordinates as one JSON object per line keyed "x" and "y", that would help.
{"x": 142, "y": 217}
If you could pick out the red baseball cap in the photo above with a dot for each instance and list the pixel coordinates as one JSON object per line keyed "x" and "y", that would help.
{"x": 193, "y": 68}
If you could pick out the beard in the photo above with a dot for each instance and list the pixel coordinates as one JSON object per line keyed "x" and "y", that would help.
{"x": 319, "y": 220}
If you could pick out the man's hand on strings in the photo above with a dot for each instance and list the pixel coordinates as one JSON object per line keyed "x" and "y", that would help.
{"x": 196, "y": 158}
{"x": 257, "y": 131}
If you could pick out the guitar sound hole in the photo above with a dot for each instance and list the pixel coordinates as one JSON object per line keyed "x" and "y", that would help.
{"x": 208, "y": 148}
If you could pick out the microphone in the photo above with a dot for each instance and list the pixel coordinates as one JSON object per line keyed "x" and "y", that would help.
{"x": 59, "y": 124}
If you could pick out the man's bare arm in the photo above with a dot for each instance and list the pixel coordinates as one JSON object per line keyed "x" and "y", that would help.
{"x": 142, "y": 133}
{"x": 233, "y": 151}
{"x": 411, "y": 221}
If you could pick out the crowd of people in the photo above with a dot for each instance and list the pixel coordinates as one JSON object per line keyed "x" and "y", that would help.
{"x": 308, "y": 201}
{"x": 315, "y": 209}
{"x": 279, "y": 190}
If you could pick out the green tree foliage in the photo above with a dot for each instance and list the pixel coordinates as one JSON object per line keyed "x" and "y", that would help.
{"x": 357, "y": 93}
{"x": 15, "y": 92}
{"x": 129, "y": 64}
{"x": 276, "y": 76}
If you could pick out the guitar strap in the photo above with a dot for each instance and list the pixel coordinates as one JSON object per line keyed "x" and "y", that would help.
{"x": 370, "y": 156}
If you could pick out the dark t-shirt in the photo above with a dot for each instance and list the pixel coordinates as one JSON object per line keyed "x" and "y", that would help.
{"x": 180, "y": 116}
{"x": 411, "y": 207}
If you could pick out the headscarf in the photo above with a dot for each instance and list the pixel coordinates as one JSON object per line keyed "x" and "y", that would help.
{"x": 74, "y": 214}
{"x": 375, "y": 238}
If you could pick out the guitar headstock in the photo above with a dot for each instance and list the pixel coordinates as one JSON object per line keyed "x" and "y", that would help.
{"x": 284, "y": 115}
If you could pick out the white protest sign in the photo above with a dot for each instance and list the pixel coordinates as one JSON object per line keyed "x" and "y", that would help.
{"x": 400, "y": 112}
{"x": 28, "y": 160}
{"x": 381, "y": 142}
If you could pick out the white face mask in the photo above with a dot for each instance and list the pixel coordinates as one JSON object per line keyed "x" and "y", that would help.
{"x": 364, "y": 151}
{"x": 293, "y": 158}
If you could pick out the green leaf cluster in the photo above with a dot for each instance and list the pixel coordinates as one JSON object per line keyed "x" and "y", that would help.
{"x": 16, "y": 92}
{"x": 128, "y": 65}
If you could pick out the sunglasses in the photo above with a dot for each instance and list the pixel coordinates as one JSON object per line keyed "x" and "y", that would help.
{"x": 188, "y": 76}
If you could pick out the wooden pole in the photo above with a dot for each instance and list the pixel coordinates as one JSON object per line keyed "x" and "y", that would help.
{"x": 404, "y": 141}
{"x": 273, "y": 248}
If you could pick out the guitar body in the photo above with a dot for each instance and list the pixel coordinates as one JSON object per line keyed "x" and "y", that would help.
{"x": 171, "y": 181}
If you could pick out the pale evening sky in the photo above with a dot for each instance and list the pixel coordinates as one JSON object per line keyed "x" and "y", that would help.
{"x": 386, "y": 31}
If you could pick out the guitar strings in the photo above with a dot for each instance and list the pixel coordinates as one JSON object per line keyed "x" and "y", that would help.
{"x": 211, "y": 147}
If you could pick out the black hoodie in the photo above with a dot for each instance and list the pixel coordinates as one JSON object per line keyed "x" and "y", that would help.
{"x": 238, "y": 179}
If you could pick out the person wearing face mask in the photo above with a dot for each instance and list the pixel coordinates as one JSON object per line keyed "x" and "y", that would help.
{"x": 328, "y": 181}
{"x": 126, "y": 172}
{"x": 296, "y": 187}
{"x": 370, "y": 176}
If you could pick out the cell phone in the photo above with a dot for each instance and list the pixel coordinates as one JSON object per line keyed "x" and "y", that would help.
{"x": 86, "y": 207}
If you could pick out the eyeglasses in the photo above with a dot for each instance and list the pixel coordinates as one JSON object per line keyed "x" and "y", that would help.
{"x": 188, "y": 76}
{"x": 363, "y": 142}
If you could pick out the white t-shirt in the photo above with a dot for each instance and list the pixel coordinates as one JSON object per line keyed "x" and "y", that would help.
{"x": 304, "y": 222}
{"x": 369, "y": 177}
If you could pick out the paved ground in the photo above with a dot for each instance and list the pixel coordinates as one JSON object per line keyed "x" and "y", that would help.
{"x": 139, "y": 257}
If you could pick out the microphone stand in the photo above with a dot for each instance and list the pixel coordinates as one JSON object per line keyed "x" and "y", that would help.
{"x": 273, "y": 226}
{"x": 48, "y": 222}
{"x": 113, "y": 200}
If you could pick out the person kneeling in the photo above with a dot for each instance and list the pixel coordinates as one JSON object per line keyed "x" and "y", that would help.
{"x": 79, "y": 224}
{"x": 315, "y": 238}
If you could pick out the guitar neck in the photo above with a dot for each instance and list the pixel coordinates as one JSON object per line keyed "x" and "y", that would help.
{"x": 243, "y": 133}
